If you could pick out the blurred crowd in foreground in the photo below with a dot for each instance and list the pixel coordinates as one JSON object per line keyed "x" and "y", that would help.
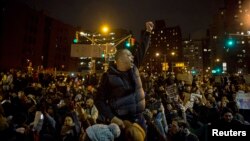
{"x": 42, "y": 106}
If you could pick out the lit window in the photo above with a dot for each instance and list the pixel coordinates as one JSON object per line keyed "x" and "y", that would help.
{"x": 205, "y": 50}
{"x": 161, "y": 31}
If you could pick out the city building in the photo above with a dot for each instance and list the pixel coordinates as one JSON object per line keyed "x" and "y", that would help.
{"x": 32, "y": 37}
{"x": 230, "y": 37}
{"x": 196, "y": 56}
{"x": 165, "y": 50}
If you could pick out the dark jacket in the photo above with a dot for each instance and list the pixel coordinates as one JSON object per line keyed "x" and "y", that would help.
{"x": 120, "y": 93}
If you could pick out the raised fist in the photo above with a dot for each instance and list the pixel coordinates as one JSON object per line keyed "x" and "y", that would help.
{"x": 149, "y": 26}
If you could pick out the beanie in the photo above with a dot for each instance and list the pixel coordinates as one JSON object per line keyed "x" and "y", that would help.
{"x": 134, "y": 131}
{"x": 101, "y": 132}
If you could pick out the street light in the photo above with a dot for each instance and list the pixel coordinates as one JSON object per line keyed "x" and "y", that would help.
{"x": 172, "y": 63}
{"x": 157, "y": 54}
{"x": 173, "y": 53}
{"x": 105, "y": 30}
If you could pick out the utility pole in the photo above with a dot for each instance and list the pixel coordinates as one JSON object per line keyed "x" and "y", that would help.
{"x": 165, "y": 63}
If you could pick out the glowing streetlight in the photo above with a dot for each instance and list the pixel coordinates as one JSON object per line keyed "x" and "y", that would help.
{"x": 157, "y": 54}
{"x": 172, "y": 63}
{"x": 105, "y": 29}
{"x": 173, "y": 53}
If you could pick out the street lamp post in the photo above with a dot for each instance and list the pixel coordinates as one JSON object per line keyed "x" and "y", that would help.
{"x": 105, "y": 58}
{"x": 157, "y": 54}
{"x": 165, "y": 63}
{"x": 105, "y": 29}
{"x": 172, "y": 62}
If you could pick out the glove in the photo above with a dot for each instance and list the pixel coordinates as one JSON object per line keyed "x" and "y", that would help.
{"x": 118, "y": 121}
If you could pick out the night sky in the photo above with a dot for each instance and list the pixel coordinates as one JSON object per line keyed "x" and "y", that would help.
{"x": 193, "y": 16}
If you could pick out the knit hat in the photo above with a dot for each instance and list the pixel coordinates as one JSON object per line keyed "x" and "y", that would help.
{"x": 134, "y": 131}
{"x": 102, "y": 132}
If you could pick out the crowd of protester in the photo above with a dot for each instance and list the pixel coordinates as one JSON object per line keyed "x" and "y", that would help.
{"x": 42, "y": 106}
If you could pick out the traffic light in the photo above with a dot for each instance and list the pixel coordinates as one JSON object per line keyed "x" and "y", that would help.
{"x": 103, "y": 55}
{"x": 193, "y": 72}
{"x": 77, "y": 37}
{"x": 75, "y": 41}
{"x": 230, "y": 42}
{"x": 127, "y": 44}
{"x": 132, "y": 41}
{"x": 217, "y": 70}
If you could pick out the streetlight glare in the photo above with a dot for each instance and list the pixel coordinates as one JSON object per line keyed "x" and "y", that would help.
{"x": 173, "y": 53}
{"x": 105, "y": 29}
{"x": 157, "y": 54}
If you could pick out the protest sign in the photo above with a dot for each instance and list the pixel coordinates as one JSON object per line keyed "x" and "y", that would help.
{"x": 243, "y": 100}
{"x": 187, "y": 78}
{"x": 171, "y": 91}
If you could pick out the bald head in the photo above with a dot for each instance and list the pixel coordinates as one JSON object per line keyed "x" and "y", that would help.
{"x": 124, "y": 60}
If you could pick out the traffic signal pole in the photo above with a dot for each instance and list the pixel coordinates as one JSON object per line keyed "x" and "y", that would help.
{"x": 106, "y": 51}
{"x": 125, "y": 38}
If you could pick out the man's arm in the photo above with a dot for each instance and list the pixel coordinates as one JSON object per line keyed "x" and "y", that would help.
{"x": 142, "y": 49}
